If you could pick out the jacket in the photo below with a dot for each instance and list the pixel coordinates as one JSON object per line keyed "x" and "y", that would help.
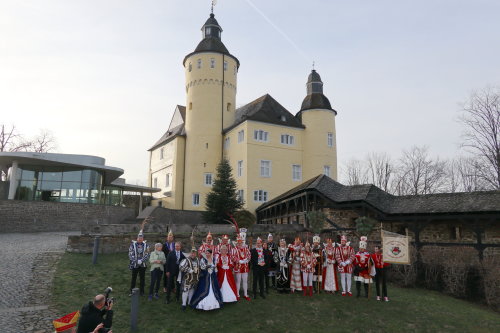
{"x": 90, "y": 317}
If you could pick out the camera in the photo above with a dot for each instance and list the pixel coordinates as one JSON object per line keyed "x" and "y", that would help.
{"x": 109, "y": 300}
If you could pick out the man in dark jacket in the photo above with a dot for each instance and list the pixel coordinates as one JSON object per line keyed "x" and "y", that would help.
{"x": 94, "y": 313}
{"x": 172, "y": 271}
{"x": 260, "y": 261}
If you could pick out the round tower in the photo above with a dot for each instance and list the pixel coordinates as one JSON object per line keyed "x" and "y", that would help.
{"x": 211, "y": 76}
{"x": 319, "y": 141}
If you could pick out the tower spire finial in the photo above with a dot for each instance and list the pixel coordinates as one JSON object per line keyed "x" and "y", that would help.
{"x": 214, "y": 2}
{"x": 313, "y": 64}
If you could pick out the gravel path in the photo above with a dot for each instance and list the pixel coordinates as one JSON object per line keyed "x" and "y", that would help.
{"x": 28, "y": 266}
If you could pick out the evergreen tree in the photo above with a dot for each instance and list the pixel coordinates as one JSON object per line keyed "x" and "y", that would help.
{"x": 222, "y": 199}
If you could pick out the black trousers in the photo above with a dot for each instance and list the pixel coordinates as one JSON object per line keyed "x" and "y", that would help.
{"x": 165, "y": 277}
{"x": 380, "y": 278}
{"x": 156, "y": 275}
{"x": 142, "y": 272}
{"x": 258, "y": 276}
{"x": 171, "y": 284}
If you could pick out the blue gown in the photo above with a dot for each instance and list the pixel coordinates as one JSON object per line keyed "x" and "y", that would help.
{"x": 207, "y": 295}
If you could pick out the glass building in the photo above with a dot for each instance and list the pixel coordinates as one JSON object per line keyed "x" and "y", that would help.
{"x": 63, "y": 178}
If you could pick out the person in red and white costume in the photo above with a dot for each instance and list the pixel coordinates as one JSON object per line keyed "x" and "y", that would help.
{"x": 380, "y": 276}
{"x": 208, "y": 244}
{"x": 241, "y": 258}
{"x": 344, "y": 255}
{"x": 296, "y": 276}
{"x": 225, "y": 275}
{"x": 363, "y": 267}
{"x": 225, "y": 241}
{"x": 307, "y": 266}
{"x": 330, "y": 284}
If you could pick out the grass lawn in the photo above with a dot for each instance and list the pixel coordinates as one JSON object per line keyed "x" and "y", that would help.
{"x": 410, "y": 310}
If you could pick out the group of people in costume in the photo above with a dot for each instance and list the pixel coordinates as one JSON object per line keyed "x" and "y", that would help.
{"x": 212, "y": 275}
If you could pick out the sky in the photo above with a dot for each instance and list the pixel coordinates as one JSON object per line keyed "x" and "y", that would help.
{"x": 105, "y": 76}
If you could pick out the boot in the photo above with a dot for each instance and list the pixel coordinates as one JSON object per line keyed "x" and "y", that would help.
{"x": 366, "y": 290}
{"x": 310, "y": 291}
{"x": 304, "y": 290}
{"x": 358, "y": 288}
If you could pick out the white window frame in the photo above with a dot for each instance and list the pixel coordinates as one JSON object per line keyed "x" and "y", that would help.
{"x": 296, "y": 172}
{"x": 261, "y": 136}
{"x": 227, "y": 142}
{"x": 225, "y": 65}
{"x": 208, "y": 176}
{"x": 263, "y": 168}
{"x": 326, "y": 170}
{"x": 212, "y": 62}
{"x": 155, "y": 182}
{"x": 240, "y": 195}
{"x": 329, "y": 139}
{"x": 239, "y": 168}
{"x": 241, "y": 136}
{"x": 287, "y": 139}
{"x": 260, "y": 196}
{"x": 195, "y": 199}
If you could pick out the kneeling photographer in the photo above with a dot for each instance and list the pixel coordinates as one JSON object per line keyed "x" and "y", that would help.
{"x": 98, "y": 311}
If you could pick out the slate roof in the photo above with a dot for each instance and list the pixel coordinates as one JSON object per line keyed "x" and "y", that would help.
{"x": 172, "y": 132}
{"x": 470, "y": 202}
{"x": 316, "y": 101}
{"x": 267, "y": 110}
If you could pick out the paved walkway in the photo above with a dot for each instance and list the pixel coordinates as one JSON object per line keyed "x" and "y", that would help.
{"x": 26, "y": 272}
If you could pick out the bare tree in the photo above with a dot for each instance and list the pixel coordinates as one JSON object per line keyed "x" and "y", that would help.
{"x": 481, "y": 117}
{"x": 465, "y": 175}
{"x": 11, "y": 140}
{"x": 380, "y": 169}
{"x": 355, "y": 172}
{"x": 44, "y": 142}
{"x": 418, "y": 173}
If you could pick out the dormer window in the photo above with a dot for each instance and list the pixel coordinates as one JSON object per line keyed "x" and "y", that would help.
{"x": 283, "y": 118}
{"x": 207, "y": 31}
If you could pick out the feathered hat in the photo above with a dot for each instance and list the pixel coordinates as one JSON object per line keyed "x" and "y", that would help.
{"x": 170, "y": 233}
{"x": 316, "y": 239}
{"x": 269, "y": 236}
{"x": 363, "y": 242}
{"x": 225, "y": 237}
{"x": 343, "y": 238}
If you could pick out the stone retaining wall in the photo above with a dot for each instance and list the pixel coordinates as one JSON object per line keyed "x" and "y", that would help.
{"x": 40, "y": 216}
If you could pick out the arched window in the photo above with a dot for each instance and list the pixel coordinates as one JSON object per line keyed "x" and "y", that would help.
{"x": 228, "y": 106}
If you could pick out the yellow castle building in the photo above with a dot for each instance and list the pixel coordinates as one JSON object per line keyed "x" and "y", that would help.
{"x": 270, "y": 149}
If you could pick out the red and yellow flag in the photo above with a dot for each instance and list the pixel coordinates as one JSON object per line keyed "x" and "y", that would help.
{"x": 68, "y": 321}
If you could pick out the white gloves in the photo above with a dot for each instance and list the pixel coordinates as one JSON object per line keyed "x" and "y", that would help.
{"x": 191, "y": 271}
{"x": 282, "y": 264}
{"x": 225, "y": 267}
{"x": 308, "y": 266}
{"x": 348, "y": 262}
{"x": 139, "y": 262}
{"x": 344, "y": 263}
{"x": 242, "y": 261}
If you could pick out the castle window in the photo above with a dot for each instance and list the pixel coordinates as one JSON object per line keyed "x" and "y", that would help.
{"x": 190, "y": 105}
{"x": 455, "y": 233}
{"x": 199, "y": 63}
{"x": 167, "y": 180}
{"x": 206, "y": 145}
{"x": 208, "y": 179}
{"x": 265, "y": 168}
{"x": 296, "y": 172}
{"x": 161, "y": 153}
{"x": 227, "y": 142}
{"x": 190, "y": 67}
{"x": 225, "y": 65}
{"x": 329, "y": 139}
{"x": 326, "y": 170}
{"x": 196, "y": 199}
{"x": 260, "y": 196}
{"x": 260, "y": 135}
{"x": 239, "y": 195}
{"x": 155, "y": 182}
{"x": 212, "y": 63}
{"x": 287, "y": 139}
{"x": 241, "y": 136}
{"x": 228, "y": 106}
{"x": 240, "y": 168}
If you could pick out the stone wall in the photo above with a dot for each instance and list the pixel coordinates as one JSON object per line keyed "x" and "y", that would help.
{"x": 39, "y": 216}
{"x": 163, "y": 215}
{"x": 117, "y": 238}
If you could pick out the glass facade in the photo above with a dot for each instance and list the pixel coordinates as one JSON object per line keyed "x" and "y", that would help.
{"x": 65, "y": 184}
